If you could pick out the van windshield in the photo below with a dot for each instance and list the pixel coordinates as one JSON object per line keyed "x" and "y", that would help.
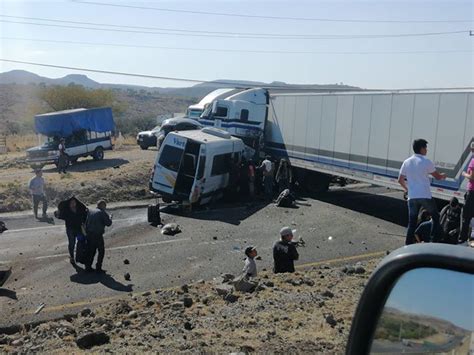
{"x": 170, "y": 157}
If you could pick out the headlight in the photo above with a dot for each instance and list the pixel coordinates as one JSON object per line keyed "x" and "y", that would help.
{"x": 53, "y": 152}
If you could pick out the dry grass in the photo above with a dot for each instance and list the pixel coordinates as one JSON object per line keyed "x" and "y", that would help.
{"x": 19, "y": 143}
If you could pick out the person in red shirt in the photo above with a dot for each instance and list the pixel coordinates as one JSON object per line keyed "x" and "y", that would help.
{"x": 468, "y": 209}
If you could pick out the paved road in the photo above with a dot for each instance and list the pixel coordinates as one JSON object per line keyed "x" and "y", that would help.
{"x": 365, "y": 221}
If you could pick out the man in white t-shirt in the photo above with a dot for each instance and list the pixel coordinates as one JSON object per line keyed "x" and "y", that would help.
{"x": 414, "y": 177}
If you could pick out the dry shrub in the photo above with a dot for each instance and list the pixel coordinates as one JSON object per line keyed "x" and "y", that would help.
{"x": 19, "y": 143}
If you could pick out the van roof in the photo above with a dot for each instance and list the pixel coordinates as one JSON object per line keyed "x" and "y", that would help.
{"x": 203, "y": 137}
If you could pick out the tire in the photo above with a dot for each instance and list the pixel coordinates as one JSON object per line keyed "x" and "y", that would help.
{"x": 144, "y": 147}
{"x": 98, "y": 154}
{"x": 166, "y": 199}
{"x": 73, "y": 160}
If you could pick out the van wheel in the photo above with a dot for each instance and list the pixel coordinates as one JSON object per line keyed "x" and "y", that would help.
{"x": 98, "y": 153}
{"x": 144, "y": 147}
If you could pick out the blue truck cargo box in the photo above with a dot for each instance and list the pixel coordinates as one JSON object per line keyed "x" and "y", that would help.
{"x": 64, "y": 123}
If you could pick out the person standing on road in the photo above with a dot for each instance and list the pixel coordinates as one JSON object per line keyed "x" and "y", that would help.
{"x": 62, "y": 160}
{"x": 415, "y": 181}
{"x": 96, "y": 222}
{"x": 468, "y": 209}
{"x": 284, "y": 252}
{"x": 284, "y": 175}
{"x": 267, "y": 170}
{"x": 251, "y": 178}
{"x": 74, "y": 213}
{"x": 36, "y": 187}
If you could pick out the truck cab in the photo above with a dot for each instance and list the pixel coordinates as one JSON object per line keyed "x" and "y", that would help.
{"x": 242, "y": 114}
{"x": 195, "y": 166}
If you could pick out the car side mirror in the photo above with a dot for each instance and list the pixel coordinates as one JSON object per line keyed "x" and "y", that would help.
{"x": 418, "y": 300}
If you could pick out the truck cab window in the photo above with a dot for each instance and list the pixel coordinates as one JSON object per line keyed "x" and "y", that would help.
{"x": 221, "y": 112}
{"x": 244, "y": 115}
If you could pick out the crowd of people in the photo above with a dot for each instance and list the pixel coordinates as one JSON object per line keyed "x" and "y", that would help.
{"x": 85, "y": 228}
{"x": 425, "y": 224}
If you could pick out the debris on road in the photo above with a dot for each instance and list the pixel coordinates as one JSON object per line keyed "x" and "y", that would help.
{"x": 126, "y": 262}
{"x": 170, "y": 229}
{"x": 40, "y": 308}
{"x": 127, "y": 277}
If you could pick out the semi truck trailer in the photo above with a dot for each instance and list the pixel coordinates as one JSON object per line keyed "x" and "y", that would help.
{"x": 360, "y": 135}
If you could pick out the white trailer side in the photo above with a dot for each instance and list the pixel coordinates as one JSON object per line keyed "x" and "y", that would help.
{"x": 366, "y": 136}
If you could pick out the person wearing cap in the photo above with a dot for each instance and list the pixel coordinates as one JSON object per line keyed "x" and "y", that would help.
{"x": 96, "y": 222}
{"x": 36, "y": 187}
{"x": 250, "y": 267}
{"x": 468, "y": 209}
{"x": 284, "y": 252}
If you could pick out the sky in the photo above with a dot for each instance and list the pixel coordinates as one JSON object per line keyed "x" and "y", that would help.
{"x": 439, "y": 293}
{"x": 440, "y": 61}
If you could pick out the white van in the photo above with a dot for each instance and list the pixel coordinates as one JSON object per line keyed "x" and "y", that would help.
{"x": 194, "y": 166}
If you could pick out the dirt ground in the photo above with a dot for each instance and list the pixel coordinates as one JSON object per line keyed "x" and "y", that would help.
{"x": 122, "y": 175}
{"x": 309, "y": 311}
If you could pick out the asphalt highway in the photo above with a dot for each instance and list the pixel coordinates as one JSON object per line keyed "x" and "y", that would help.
{"x": 341, "y": 226}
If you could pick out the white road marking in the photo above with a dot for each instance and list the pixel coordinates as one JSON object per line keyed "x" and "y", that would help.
{"x": 10, "y": 231}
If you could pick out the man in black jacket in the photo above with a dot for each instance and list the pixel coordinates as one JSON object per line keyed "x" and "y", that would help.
{"x": 284, "y": 252}
{"x": 96, "y": 222}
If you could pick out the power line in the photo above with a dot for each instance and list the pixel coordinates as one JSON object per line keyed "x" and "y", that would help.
{"x": 295, "y": 87}
{"x": 272, "y": 37}
{"x": 195, "y": 12}
{"x": 442, "y": 51}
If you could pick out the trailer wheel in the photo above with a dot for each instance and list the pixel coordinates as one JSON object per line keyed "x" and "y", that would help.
{"x": 98, "y": 154}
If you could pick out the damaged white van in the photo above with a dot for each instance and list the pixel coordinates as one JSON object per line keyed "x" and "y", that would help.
{"x": 195, "y": 166}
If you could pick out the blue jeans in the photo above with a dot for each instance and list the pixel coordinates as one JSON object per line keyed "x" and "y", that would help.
{"x": 414, "y": 206}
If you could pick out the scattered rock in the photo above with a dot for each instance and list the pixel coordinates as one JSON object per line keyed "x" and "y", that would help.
{"x": 269, "y": 284}
{"x": 331, "y": 321}
{"x": 86, "y": 312}
{"x": 231, "y": 298}
{"x": 126, "y": 261}
{"x": 359, "y": 269}
{"x": 247, "y": 349}
{"x": 185, "y": 288}
{"x": 188, "y": 326}
{"x": 146, "y": 294}
{"x": 227, "y": 277}
{"x": 132, "y": 314}
{"x": 177, "y": 306}
{"x": 89, "y": 340}
{"x": 126, "y": 276}
{"x": 328, "y": 294}
{"x": 215, "y": 238}
{"x": 187, "y": 301}
{"x": 122, "y": 307}
{"x": 224, "y": 289}
{"x": 17, "y": 342}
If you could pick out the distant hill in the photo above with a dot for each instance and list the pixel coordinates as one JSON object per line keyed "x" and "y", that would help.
{"x": 199, "y": 90}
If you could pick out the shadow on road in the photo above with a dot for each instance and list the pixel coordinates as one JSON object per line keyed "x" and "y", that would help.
{"x": 220, "y": 211}
{"x": 91, "y": 165}
{"x": 49, "y": 220}
{"x": 105, "y": 279}
{"x": 8, "y": 293}
{"x": 388, "y": 208}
